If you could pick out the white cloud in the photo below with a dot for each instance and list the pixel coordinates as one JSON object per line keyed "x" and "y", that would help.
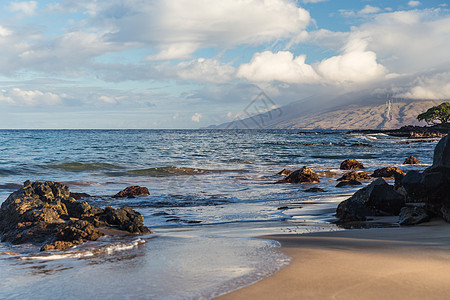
{"x": 208, "y": 70}
{"x": 368, "y": 9}
{"x": 21, "y": 97}
{"x": 413, "y": 3}
{"x": 106, "y": 99}
{"x": 179, "y": 27}
{"x": 408, "y": 41}
{"x": 4, "y": 31}
{"x": 353, "y": 66}
{"x": 25, "y": 7}
{"x": 280, "y": 66}
{"x": 196, "y": 117}
{"x": 434, "y": 87}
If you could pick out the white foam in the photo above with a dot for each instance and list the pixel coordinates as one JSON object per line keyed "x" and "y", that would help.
{"x": 88, "y": 253}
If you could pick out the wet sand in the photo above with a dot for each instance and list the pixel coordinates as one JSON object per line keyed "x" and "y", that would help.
{"x": 390, "y": 263}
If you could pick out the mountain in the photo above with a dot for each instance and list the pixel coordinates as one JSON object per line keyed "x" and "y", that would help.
{"x": 349, "y": 111}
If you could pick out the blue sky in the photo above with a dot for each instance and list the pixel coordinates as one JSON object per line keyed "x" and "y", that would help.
{"x": 192, "y": 63}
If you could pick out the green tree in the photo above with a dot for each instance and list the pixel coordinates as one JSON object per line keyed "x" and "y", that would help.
{"x": 440, "y": 113}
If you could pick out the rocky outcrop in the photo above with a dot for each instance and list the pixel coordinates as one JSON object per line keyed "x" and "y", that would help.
{"x": 351, "y": 164}
{"x": 378, "y": 198}
{"x": 304, "y": 175}
{"x": 44, "y": 213}
{"x": 413, "y": 132}
{"x": 411, "y": 161}
{"x": 387, "y": 172}
{"x": 353, "y": 175}
{"x": 132, "y": 191}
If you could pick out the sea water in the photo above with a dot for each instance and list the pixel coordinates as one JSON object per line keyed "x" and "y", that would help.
{"x": 211, "y": 193}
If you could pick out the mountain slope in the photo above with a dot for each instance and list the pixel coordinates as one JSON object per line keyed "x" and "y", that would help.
{"x": 350, "y": 111}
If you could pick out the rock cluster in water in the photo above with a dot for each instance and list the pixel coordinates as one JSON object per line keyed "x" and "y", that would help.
{"x": 44, "y": 213}
{"x": 415, "y": 197}
{"x": 304, "y": 175}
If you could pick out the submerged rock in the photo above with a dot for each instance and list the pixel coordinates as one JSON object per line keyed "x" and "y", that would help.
{"x": 353, "y": 175}
{"x": 351, "y": 164}
{"x": 305, "y": 174}
{"x": 348, "y": 182}
{"x": 378, "y": 198}
{"x": 132, "y": 191}
{"x": 44, "y": 214}
{"x": 285, "y": 172}
{"x": 315, "y": 190}
{"x": 387, "y": 172}
{"x": 411, "y": 161}
{"x": 413, "y": 215}
{"x": 79, "y": 196}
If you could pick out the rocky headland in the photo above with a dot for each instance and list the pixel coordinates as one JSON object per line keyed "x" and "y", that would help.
{"x": 45, "y": 214}
{"x": 412, "y": 132}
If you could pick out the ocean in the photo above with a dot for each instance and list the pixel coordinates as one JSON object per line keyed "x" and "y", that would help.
{"x": 212, "y": 193}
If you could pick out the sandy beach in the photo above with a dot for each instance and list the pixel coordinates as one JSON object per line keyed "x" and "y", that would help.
{"x": 389, "y": 263}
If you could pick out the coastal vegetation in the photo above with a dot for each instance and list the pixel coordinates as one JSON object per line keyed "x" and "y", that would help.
{"x": 439, "y": 113}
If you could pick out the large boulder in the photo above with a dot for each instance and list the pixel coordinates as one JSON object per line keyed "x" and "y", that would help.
{"x": 378, "y": 198}
{"x": 351, "y": 164}
{"x": 304, "y": 175}
{"x": 432, "y": 186}
{"x": 441, "y": 157}
{"x": 387, "y": 172}
{"x": 44, "y": 214}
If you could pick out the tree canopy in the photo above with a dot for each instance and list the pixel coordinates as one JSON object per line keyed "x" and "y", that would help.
{"x": 440, "y": 113}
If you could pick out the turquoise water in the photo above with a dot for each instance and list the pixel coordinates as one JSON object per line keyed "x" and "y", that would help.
{"x": 211, "y": 191}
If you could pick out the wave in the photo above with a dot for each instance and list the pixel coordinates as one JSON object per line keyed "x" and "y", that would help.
{"x": 110, "y": 249}
{"x": 355, "y": 156}
{"x": 237, "y": 161}
{"x": 7, "y": 172}
{"x": 168, "y": 171}
{"x": 80, "y": 167}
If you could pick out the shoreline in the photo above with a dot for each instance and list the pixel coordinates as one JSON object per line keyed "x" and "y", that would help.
{"x": 378, "y": 263}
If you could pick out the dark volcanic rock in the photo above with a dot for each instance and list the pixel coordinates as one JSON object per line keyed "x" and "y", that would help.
{"x": 413, "y": 216}
{"x": 351, "y": 164}
{"x": 387, "y": 172}
{"x": 411, "y": 161}
{"x": 44, "y": 214}
{"x": 124, "y": 218}
{"x": 441, "y": 157}
{"x": 378, "y": 198}
{"x": 305, "y": 174}
{"x": 315, "y": 190}
{"x": 348, "y": 182}
{"x": 132, "y": 191}
{"x": 353, "y": 175}
{"x": 285, "y": 172}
